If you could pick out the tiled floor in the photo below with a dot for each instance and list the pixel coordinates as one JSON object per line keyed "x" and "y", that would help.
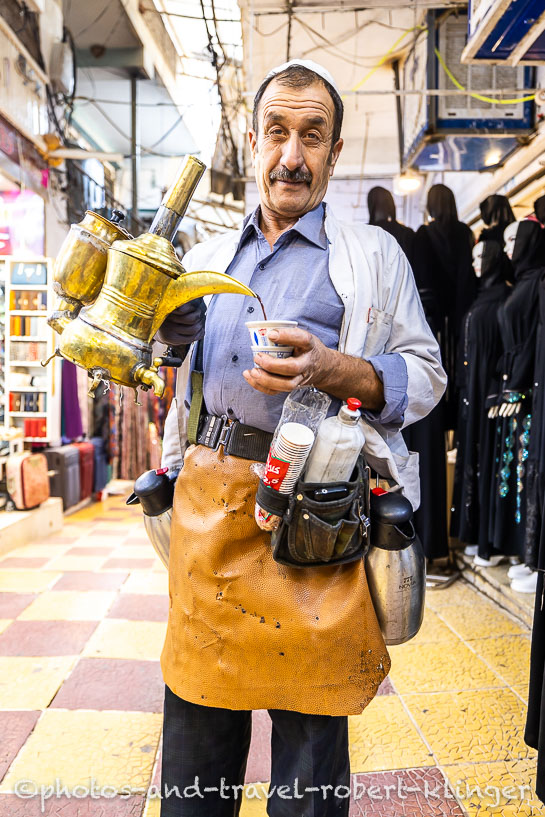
{"x": 82, "y": 620}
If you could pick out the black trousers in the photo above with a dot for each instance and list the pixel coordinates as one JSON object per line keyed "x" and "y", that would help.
{"x": 206, "y": 748}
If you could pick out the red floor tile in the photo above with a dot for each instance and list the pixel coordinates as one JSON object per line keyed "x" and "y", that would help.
{"x": 13, "y": 806}
{"x": 15, "y": 727}
{"x": 130, "y": 564}
{"x": 29, "y": 562}
{"x": 113, "y": 683}
{"x": 113, "y": 517}
{"x": 415, "y": 793}
{"x": 386, "y": 688}
{"x": 139, "y": 607}
{"x": 89, "y": 551}
{"x": 46, "y": 637}
{"x": 86, "y": 580}
{"x": 259, "y": 757}
{"x": 11, "y": 604}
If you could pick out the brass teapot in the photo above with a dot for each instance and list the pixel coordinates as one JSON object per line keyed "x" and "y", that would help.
{"x": 131, "y": 295}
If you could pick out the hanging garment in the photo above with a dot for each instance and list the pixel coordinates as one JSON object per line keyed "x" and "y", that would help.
{"x": 479, "y": 352}
{"x": 72, "y": 427}
{"x": 518, "y": 321}
{"x": 535, "y": 554}
{"x": 443, "y": 267}
{"x": 382, "y": 213}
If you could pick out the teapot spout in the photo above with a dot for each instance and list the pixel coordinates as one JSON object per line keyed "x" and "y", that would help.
{"x": 191, "y": 285}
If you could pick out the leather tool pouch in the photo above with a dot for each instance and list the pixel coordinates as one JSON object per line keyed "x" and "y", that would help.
{"x": 314, "y": 533}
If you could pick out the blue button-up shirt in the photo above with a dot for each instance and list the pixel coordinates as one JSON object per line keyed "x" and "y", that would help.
{"x": 293, "y": 282}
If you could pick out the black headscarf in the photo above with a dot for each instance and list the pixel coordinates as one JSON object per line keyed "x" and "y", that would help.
{"x": 495, "y": 266}
{"x": 442, "y": 205}
{"x": 529, "y": 250}
{"x": 539, "y": 209}
{"x": 381, "y": 205}
{"x": 497, "y": 215}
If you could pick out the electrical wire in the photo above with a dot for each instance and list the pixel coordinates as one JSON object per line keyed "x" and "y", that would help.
{"x": 96, "y": 20}
{"x": 474, "y": 95}
{"x": 385, "y": 56}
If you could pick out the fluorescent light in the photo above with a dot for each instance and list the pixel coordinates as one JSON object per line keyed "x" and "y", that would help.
{"x": 407, "y": 182}
{"x": 493, "y": 157}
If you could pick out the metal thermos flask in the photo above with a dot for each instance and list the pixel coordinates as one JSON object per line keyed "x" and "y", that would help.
{"x": 395, "y": 567}
{"x": 154, "y": 490}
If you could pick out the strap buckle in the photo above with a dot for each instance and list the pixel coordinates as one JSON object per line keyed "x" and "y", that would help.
{"x": 214, "y": 431}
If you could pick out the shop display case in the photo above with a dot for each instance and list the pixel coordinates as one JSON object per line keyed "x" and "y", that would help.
{"x": 32, "y": 393}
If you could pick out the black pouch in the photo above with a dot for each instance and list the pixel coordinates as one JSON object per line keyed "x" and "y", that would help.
{"x": 316, "y": 533}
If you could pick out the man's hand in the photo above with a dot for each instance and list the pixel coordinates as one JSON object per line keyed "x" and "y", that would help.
{"x": 315, "y": 364}
{"x": 309, "y": 365}
{"x": 184, "y": 325}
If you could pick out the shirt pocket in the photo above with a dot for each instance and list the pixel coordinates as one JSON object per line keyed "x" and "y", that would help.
{"x": 378, "y": 332}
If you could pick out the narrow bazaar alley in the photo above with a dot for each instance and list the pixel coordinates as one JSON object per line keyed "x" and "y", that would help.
{"x": 82, "y": 621}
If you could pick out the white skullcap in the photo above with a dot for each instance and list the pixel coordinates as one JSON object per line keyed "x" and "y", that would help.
{"x": 312, "y": 66}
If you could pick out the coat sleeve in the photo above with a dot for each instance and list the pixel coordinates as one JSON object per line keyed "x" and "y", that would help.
{"x": 411, "y": 337}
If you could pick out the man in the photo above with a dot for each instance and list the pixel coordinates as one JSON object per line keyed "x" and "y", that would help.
{"x": 245, "y": 632}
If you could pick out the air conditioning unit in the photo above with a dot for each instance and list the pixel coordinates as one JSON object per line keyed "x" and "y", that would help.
{"x": 506, "y": 31}
{"x": 458, "y": 131}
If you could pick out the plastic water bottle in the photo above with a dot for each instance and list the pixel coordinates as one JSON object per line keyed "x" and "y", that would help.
{"x": 338, "y": 444}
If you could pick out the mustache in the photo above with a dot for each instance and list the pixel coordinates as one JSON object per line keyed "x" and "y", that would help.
{"x": 284, "y": 175}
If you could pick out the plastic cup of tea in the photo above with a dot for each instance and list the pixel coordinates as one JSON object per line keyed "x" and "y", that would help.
{"x": 259, "y": 331}
{"x": 273, "y": 351}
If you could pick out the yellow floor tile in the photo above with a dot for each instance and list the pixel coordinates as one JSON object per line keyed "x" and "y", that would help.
{"x": 458, "y": 593}
{"x": 5, "y": 622}
{"x": 254, "y": 802}
{"x": 480, "y": 620}
{"x": 472, "y": 726}
{"x": 114, "y": 748}
{"x": 84, "y": 563}
{"x": 433, "y": 630}
{"x": 31, "y": 683}
{"x": 522, "y": 690}
{"x": 508, "y": 655}
{"x": 146, "y": 582}
{"x": 503, "y": 789}
{"x": 153, "y": 807}
{"x": 383, "y": 737}
{"x": 115, "y": 638}
{"x": 68, "y": 605}
{"x": 27, "y": 581}
{"x": 438, "y": 667}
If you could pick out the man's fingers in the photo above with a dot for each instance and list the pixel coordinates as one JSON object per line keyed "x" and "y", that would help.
{"x": 292, "y": 337}
{"x": 287, "y": 367}
{"x": 269, "y": 383}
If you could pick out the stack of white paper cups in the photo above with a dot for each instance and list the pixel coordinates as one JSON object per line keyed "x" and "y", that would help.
{"x": 287, "y": 457}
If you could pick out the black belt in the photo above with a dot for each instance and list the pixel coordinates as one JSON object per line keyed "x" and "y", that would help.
{"x": 237, "y": 439}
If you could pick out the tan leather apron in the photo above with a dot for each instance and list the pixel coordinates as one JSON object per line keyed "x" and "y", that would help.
{"x": 247, "y": 633}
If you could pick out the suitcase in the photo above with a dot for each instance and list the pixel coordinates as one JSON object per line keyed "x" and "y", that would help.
{"x": 86, "y": 468}
{"x": 64, "y": 462}
{"x": 101, "y": 465}
{"x": 27, "y": 480}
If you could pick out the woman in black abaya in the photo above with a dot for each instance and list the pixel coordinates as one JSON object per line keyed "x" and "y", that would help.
{"x": 443, "y": 264}
{"x": 497, "y": 215}
{"x": 480, "y": 350}
{"x": 382, "y": 213}
{"x": 518, "y": 320}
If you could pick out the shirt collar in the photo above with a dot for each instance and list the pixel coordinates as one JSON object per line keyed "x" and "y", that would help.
{"x": 310, "y": 226}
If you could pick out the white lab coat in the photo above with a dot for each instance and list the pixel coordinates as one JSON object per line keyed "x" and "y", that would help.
{"x": 383, "y": 314}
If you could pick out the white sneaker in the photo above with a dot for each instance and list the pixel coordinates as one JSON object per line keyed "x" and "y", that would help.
{"x": 525, "y": 585}
{"x": 471, "y": 550}
{"x": 519, "y": 572}
{"x": 494, "y": 561}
